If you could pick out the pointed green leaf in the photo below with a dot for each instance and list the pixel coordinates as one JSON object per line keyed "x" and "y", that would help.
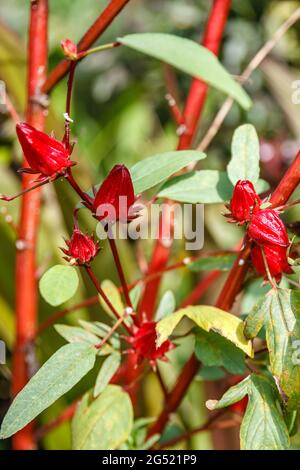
{"x": 190, "y": 57}
{"x": 214, "y": 350}
{"x": 55, "y": 378}
{"x": 103, "y": 423}
{"x": 279, "y": 312}
{"x": 244, "y": 163}
{"x": 263, "y": 426}
{"x": 58, "y": 284}
{"x": 108, "y": 369}
{"x": 208, "y": 318}
{"x": 233, "y": 395}
{"x": 153, "y": 170}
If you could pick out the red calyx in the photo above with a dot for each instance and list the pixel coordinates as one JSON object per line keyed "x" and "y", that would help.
{"x": 69, "y": 48}
{"x": 82, "y": 249}
{"x": 244, "y": 202}
{"x": 276, "y": 259}
{"x": 144, "y": 344}
{"x": 44, "y": 154}
{"x": 115, "y": 198}
{"x": 266, "y": 227}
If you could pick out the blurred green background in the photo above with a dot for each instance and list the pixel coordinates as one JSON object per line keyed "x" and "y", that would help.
{"x": 121, "y": 115}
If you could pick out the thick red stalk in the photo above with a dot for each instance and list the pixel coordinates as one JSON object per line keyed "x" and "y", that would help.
{"x": 26, "y": 292}
{"x": 198, "y": 91}
{"x": 97, "y": 28}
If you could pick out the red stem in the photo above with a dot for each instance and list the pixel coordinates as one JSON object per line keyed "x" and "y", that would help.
{"x": 26, "y": 292}
{"x": 97, "y": 28}
{"x": 198, "y": 90}
{"x": 65, "y": 416}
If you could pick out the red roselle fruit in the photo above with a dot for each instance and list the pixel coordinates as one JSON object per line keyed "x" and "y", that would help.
{"x": 266, "y": 227}
{"x": 82, "y": 249}
{"x": 45, "y": 155}
{"x": 244, "y": 202}
{"x": 69, "y": 48}
{"x": 144, "y": 343}
{"x": 276, "y": 259}
{"x": 115, "y": 198}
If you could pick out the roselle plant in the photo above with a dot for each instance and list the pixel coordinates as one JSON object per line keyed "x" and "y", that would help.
{"x": 140, "y": 333}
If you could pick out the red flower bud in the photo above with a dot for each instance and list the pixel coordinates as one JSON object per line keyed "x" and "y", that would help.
{"x": 244, "y": 200}
{"x": 69, "y": 48}
{"x": 144, "y": 343}
{"x": 266, "y": 227}
{"x": 82, "y": 249}
{"x": 276, "y": 259}
{"x": 44, "y": 154}
{"x": 115, "y": 198}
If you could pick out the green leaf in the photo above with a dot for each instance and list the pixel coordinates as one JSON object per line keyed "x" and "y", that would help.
{"x": 135, "y": 295}
{"x": 204, "y": 186}
{"x": 244, "y": 163}
{"x": 75, "y": 334}
{"x": 211, "y": 263}
{"x": 166, "y": 306}
{"x": 190, "y": 57}
{"x": 59, "y": 284}
{"x": 280, "y": 314}
{"x": 55, "y": 378}
{"x": 152, "y": 170}
{"x": 108, "y": 369}
{"x": 263, "y": 426}
{"x": 208, "y": 318}
{"x": 211, "y": 373}
{"x": 214, "y": 350}
{"x": 103, "y": 423}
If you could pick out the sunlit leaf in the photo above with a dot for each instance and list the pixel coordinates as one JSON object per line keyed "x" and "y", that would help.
{"x": 190, "y": 57}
